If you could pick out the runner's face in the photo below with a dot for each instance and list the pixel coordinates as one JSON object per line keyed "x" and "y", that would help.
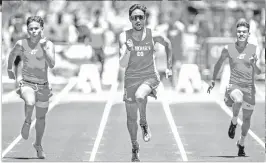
{"x": 137, "y": 19}
{"x": 242, "y": 33}
{"x": 35, "y": 29}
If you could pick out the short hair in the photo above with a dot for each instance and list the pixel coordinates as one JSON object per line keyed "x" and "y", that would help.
{"x": 37, "y": 19}
{"x": 242, "y": 22}
{"x": 97, "y": 12}
{"x": 257, "y": 12}
{"x": 192, "y": 10}
{"x": 137, "y": 6}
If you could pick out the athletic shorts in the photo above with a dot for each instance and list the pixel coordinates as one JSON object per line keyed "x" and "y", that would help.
{"x": 99, "y": 55}
{"x": 248, "y": 96}
{"x": 42, "y": 91}
{"x": 129, "y": 92}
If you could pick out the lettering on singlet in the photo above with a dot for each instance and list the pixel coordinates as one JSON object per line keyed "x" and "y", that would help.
{"x": 142, "y": 60}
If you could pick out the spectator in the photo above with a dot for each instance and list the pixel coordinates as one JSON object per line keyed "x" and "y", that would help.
{"x": 98, "y": 27}
{"x": 189, "y": 77}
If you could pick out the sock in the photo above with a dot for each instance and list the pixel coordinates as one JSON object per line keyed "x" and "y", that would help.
{"x": 242, "y": 140}
{"x": 234, "y": 120}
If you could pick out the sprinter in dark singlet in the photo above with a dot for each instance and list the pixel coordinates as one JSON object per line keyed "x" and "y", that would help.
{"x": 141, "y": 76}
{"x": 241, "y": 89}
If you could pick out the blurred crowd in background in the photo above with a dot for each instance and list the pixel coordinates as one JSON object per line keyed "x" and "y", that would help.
{"x": 86, "y": 35}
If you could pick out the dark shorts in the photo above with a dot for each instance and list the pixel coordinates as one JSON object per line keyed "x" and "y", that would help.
{"x": 129, "y": 92}
{"x": 99, "y": 55}
{"x": 42, "y": 91}
{"x": 248, "y": 95}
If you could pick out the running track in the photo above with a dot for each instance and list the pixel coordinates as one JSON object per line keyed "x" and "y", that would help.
{"x": 90, "y": 127}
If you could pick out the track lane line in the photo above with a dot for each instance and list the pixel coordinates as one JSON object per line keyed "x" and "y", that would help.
{"x": 171, "y": 121}
{"x": 9, "y": 95}
{"x": 72, "y": 82}
{"x": 259, "y": 92}
{"x": 239, "y": 121}
{"x": 104, "y": 119}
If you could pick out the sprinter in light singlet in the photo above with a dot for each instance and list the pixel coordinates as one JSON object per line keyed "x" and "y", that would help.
{"x": 37, "y": 54}
{"x": 141, "y": 76}
{"x": 241, "y": 89}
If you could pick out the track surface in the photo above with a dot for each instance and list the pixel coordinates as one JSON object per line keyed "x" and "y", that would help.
{"x": 76, "y": 120}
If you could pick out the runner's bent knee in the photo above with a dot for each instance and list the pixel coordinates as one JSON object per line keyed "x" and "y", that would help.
{"x": 142, "y": 92}
{"x": 139, "y": 99}
{"x": 237, "y": 96}
{"x": 139, "y": 95}
{"x": 28, "y": 95}
{"x": 29, "y": 100}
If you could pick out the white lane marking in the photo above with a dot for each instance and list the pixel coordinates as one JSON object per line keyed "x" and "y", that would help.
{"x": 239, "y": 121}
{"x": 7, "y": 96}
{"x": 104, "y": 119}
{"x": 163, "y": 98}
{"x": 259, "y": 92}
{"x": 72, "y": 82}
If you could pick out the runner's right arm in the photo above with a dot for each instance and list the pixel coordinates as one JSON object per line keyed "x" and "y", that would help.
{"x": 219, "y": 63}
{"x": 217, "y": 67}
{"x": 255, "y": 61}
{"x": 16, "y": 50}
{"x": 124, "y": 52}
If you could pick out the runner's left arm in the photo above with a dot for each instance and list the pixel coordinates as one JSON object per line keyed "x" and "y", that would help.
{"x": 16, "y": 50}
{"x": 168, "y": 47}
{"x": 49, "y": 52}
{"x": 254, "y": 61}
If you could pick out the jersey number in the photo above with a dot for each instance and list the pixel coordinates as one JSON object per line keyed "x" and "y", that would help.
{"x": 140, "y": 54}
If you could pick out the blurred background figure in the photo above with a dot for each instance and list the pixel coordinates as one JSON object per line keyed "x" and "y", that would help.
{"x": 87, "y": 31}
{"x": 254, "y": 16}
{"x": 97, "y": 28}
{"x": 18, "y": 30}
{"x": 189, "y": 76}
{"x": 88, "y": 72}
{"x": 175, "y": 34}
{"x": 161, "y": 59}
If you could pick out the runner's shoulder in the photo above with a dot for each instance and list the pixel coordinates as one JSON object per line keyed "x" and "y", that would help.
{"x": 19, "y": 42}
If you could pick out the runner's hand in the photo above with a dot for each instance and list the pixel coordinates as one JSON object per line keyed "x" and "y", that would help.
{"x": 129, "y": 45}
{"x": 253, "y": 59}
{"x": 11, "y": 74}
{"x": 211, "y": 85}
{"x": 43, "y": 42}
{"x": 168, "y": 73}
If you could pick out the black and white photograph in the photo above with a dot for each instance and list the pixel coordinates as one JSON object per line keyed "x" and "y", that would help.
{"x": 133, "y": 81}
